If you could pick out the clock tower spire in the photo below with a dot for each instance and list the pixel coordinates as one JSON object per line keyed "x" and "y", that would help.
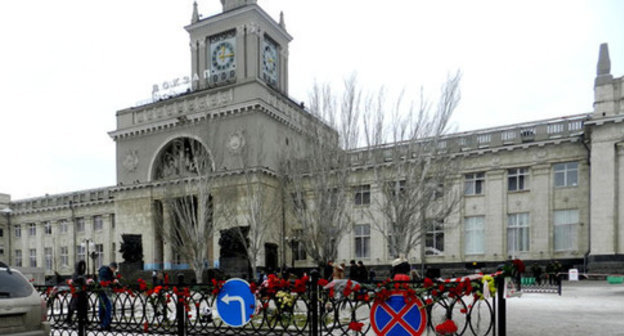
{"x": 195, "y": 17}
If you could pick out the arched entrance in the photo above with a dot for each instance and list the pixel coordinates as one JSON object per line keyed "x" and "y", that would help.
{"x": 182, "y": 209}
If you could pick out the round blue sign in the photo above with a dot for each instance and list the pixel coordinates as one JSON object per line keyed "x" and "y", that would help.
{"x": 236, "y": 303}
{"x": 397, "y": 317}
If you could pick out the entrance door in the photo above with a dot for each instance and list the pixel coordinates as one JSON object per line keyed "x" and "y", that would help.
{"x": 270, "y": 256}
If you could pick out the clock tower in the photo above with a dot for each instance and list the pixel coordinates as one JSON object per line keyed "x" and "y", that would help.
{"x": 241, "y": 44}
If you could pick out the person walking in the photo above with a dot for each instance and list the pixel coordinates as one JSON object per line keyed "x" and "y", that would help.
{"x": 353, "y": 271}
{"x": 362, "y": 272}
{"x": 78, "y": 299}
{"x": 106, "y": 274}
{"x": 339, "y": 272}
{"x": 400, "y": 269}
{"x": 328, "y": 270}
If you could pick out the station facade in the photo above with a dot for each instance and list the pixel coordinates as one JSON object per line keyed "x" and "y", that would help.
{"x": 542, "y": 190}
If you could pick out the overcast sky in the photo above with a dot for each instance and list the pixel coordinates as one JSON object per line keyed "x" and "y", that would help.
{"x": 67, "y": 66}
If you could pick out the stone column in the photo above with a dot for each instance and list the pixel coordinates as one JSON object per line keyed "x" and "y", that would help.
{"x": 619, "y": 225}
{"x": 603, "y": 161}
{"x": 495, "y": 219}
{"x": 167, "y": 247}
{"x": 202, "y": 64}
{"x": 194, "y": 64}
{"x": 249, "y": 51}
{"x": 540, "y": 232}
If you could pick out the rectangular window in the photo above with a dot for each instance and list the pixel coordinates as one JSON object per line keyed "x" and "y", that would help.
{"x": 474, "y": 184}
{"x": 80, "y": 252}
{"x": 80, "y": 224}
{"x": 112, "y": 220}
{"x": 298, "y": 249}
{"x": 98, "y": 224}
{"x": 1, "y": 232}
{"x": 18, "y": 258}
{"x": 32, "y": 229}
{"x": 362, "y": 241}
{"x": 99, "y": 255}
{"x": 47, "y": 228}
{"x": 518, "y": 179}
{"x": 434, "y": 239}
{"x": 362, "y": 194}
{"x": 474, "y": 235}
{"x": 18, "y": 231}
{"x": 396, "y": 188}
{"x": 566, "y": 174}
{"x": 33, "y": 258}
{"x": 63, "y": 227}
{"x": 64, "y": 256}
{"x": 565, "y": 227}
{"x": 47, "y": 252}
{"x": 518, "y": 233}
{"x": 1, "y": 249}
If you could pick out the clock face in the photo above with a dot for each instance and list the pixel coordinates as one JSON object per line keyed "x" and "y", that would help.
{"x": 222, "y": 56}
{"x": 270, "y": 64}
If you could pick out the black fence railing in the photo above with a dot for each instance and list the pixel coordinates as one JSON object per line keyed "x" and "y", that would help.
{"x": 284, "y": 309}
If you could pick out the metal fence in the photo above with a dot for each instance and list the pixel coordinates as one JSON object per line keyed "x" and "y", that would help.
{"x": 287, "y": 310}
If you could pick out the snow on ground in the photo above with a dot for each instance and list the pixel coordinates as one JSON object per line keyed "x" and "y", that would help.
{"x": 584, "y": 308}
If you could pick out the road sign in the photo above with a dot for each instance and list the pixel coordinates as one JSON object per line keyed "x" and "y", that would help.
{"x": 236, "y": 303}
{"x": 395, "y": 317}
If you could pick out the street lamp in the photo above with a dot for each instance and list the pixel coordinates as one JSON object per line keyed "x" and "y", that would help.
{"x": 7, "y": 212}
{"x": 89, "y": 244}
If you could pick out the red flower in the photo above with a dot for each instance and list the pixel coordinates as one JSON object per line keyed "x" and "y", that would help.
{"x": 356, "y": 326}
{"x": 145, "y": 326}
{"x": 118, "y": 275}
{"x": 447, "y": 327}
{"x": 322, "y": 282}
{"x": 347, "y": 291}
{"x": 142, "y": 284}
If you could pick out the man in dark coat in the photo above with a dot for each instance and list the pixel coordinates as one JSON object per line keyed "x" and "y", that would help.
{"x": 79, "y": 302}
{"x": 353, "y": 271}
{"x": 106, "y": 274}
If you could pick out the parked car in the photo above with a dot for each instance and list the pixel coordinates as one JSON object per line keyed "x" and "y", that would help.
{"x": 22, "y": 310}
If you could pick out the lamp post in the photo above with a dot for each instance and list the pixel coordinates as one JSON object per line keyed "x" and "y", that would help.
{"x": 7, "y": 212}
{"x": 88, "y": 243}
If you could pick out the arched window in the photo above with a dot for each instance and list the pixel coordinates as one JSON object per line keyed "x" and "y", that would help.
{"x": 182, "y": 157}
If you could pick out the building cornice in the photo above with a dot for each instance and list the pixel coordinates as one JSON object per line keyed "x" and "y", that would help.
{"x": 606, "y": 120}
{"x": 221, "y": 174}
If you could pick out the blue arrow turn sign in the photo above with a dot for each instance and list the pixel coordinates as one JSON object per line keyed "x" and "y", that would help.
{"x": 236, "y": 303}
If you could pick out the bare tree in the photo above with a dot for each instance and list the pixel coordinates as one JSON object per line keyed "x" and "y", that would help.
{"x": 258, "y": 208}
{"x": 187, "y": 203}
{"x": 318, "y": 172}
{"x": 411, "y": 169}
